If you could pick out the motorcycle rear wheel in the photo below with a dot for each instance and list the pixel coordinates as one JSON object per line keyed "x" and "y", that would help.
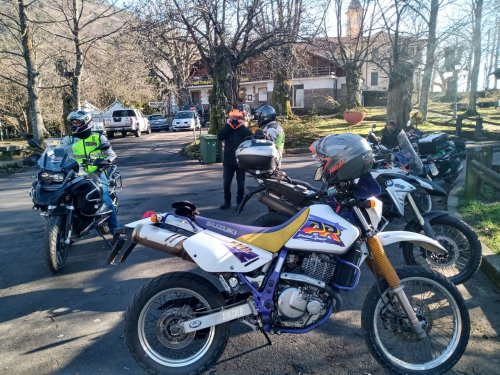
{"x": 55, "y": 250}
{"x": 464, "y": 249}
{"x": 437, "y": 303}
{"x": 150, "y": 332}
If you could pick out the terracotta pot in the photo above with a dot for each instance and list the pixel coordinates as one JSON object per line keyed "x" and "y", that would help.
{"x": 354, "y": 118}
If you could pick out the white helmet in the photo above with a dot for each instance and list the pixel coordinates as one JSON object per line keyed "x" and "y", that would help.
{"x": 80, "y": 123}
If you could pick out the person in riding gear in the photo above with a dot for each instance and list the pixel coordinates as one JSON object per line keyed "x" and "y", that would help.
{"x": 389, "y": 135}
{"x": 80, "y": 145}
{"x": 233, "y": 133}
{"x": 269, "y": 127}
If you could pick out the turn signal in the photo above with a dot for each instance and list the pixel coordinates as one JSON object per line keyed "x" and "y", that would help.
{"x": 372, "y": 203}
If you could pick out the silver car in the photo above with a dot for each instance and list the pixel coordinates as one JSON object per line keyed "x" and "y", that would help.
{"x": 158, "y": 122}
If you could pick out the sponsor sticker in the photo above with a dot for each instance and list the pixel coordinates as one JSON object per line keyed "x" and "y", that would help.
{"x": 319, "y": 230}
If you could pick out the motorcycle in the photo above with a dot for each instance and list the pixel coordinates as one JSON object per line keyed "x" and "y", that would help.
{"x": 70, "y": 203}
{"x": 287, "y": 279}
{"x": 403, "y": 196}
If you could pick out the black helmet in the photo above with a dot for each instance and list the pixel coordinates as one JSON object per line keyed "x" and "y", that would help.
{"x": 265, "y": 115}
{"x": 80, "y": 124}
{"x": 345, "y": 157}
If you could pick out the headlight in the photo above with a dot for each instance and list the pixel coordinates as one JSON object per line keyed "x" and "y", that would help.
{"x": 49, "y": 178}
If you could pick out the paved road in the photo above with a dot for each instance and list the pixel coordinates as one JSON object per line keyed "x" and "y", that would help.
{"x": 73, "y": 323}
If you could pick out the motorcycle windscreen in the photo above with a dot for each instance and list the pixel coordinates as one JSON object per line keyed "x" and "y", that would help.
{"x": 410, "y": 156}
{"x": 52, "y": 158}
{"x": 324, "y": 231}
{"x": 214, "y": 252}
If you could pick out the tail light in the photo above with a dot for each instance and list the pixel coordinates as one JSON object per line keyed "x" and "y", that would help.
{"x": 131, "y": 121}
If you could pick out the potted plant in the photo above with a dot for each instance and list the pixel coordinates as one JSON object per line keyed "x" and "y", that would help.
{"x": 354, "y": 115}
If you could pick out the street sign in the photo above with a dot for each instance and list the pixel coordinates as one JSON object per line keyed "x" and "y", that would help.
{"x": 156, "y": 104}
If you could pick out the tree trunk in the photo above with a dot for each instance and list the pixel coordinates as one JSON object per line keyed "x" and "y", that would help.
{"x": 34, "y": 110}
{"x": 225, "y": 88}
{"x": 353, "y": 75}
{"x": 429, "y": 60}
{"x": 476, "y": 45}
{"x": 281, "y": 94}
{"x": 183, "y": 97}
{"x": 399, "y": 93}
{"x": 283, "y": 82}
{"x": 75, "y": 83}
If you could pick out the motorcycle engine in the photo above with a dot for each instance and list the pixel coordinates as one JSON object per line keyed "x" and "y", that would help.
{"x": 299, "y": 303}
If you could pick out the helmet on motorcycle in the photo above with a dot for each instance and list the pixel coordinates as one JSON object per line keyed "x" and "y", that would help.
{"x": 344, "y": 157}
{"x": 80, "y": 124}
{"x": 265, "y": 115}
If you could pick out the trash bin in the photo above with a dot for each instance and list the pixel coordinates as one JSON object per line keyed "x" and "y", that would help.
{"x": 208, "y": 148}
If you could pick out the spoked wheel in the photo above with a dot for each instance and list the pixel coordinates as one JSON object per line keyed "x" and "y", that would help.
{"x": 464, "y": 250}
{"x": 152, "y": 332}
{"x": 56, "y": 250}
{"x": 440, "y": 308}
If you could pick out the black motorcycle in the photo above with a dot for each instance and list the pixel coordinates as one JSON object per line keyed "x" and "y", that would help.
{"x": 72, "y": 204}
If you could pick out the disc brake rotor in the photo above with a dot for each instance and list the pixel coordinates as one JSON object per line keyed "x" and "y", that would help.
{"x": 444, "y": 260}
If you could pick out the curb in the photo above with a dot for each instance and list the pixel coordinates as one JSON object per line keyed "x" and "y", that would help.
{"x": 490, "y": 264}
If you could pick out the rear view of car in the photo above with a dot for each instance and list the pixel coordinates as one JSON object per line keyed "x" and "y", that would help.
{"x": 158, "y": 122}
{"x": 186, "y": 120}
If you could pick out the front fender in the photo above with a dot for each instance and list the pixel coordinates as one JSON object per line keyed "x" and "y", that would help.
{"x": 388, "y": 238}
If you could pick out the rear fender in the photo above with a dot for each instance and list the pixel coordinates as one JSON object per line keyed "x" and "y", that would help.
{"x": 388, "y": 238}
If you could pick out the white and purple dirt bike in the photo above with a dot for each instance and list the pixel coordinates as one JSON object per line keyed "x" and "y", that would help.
{"x": 286, "y": 280}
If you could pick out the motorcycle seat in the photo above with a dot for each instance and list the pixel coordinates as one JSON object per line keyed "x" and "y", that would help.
{"x": 271, "y": 239}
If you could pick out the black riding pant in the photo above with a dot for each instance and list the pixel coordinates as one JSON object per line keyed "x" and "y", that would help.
{"x": 228, "y": 174}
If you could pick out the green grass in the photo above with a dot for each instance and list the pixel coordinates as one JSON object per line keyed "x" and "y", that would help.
{"x": 485, "y": 218}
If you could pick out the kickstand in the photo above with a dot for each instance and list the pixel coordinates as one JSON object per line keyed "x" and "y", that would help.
{"x": 267, "y": 337}
{"x": 105, "y": 240}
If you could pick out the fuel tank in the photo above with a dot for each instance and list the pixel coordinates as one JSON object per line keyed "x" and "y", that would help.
{"x": 324, "y": 231}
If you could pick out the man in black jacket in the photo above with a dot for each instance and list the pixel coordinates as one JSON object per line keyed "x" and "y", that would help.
{"x": 389, "y": 135}
{"x": 233, "y": 133}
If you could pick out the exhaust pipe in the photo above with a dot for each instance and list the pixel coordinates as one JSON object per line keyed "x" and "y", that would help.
{"x": 276, "y": 205}
{"x": 161, "y": 239}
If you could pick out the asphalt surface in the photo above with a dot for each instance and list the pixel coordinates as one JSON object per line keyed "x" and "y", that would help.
{"x": 73, "y": 323}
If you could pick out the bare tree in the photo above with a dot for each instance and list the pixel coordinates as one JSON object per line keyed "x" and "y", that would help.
{"x": 83, "y": 24}
{"x": 476, "y": 45}
{"x": 351, "y": 47}
{"x": 405, "y": 44}
{"x": 227, "y": 33}
{"x": 15, "y": 18}
{"x": 167, "y": 49}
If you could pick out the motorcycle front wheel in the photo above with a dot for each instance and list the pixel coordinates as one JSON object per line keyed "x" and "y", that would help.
{"x": 464, "y": 249}
{"x": 150, "y": 321}
{"x": 438, "y": 305}
{"x": 55, "y": 249}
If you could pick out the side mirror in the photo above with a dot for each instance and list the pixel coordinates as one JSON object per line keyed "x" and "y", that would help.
{"x": 32, "y": 159}
{"x": 34, "y": 143}
{"x": 374, "y": 126}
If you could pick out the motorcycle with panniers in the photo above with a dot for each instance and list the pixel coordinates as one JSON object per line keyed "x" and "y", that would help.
{"x": 288, "y": 279}
{"x": 70, "y": 200}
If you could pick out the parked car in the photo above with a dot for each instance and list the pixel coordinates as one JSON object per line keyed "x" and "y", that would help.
{"x": 127, "y": 120}
{"x": 198, "y": 108}
{"x": 186, "y": 120}
{"x": 158, "y": 122}
{"x": 247, "y": 111}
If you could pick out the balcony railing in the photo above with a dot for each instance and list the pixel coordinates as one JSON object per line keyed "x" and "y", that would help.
{"x": 267, "y": 75}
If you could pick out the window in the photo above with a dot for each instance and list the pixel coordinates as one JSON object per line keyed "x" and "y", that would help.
{"x": 298, "y": 96}
{"x": 124, "y": 113}
{"x": 262, "y": 94}
{"x": 374, "y": 79}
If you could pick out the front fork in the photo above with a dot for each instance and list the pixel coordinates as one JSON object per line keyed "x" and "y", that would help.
{"x": 425, "y": 224}
{"x": 385, "y": 269}
{"x": 69, "y": 221}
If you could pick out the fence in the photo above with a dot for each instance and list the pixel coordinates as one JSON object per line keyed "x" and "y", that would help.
{"x": 480, "y": 169}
